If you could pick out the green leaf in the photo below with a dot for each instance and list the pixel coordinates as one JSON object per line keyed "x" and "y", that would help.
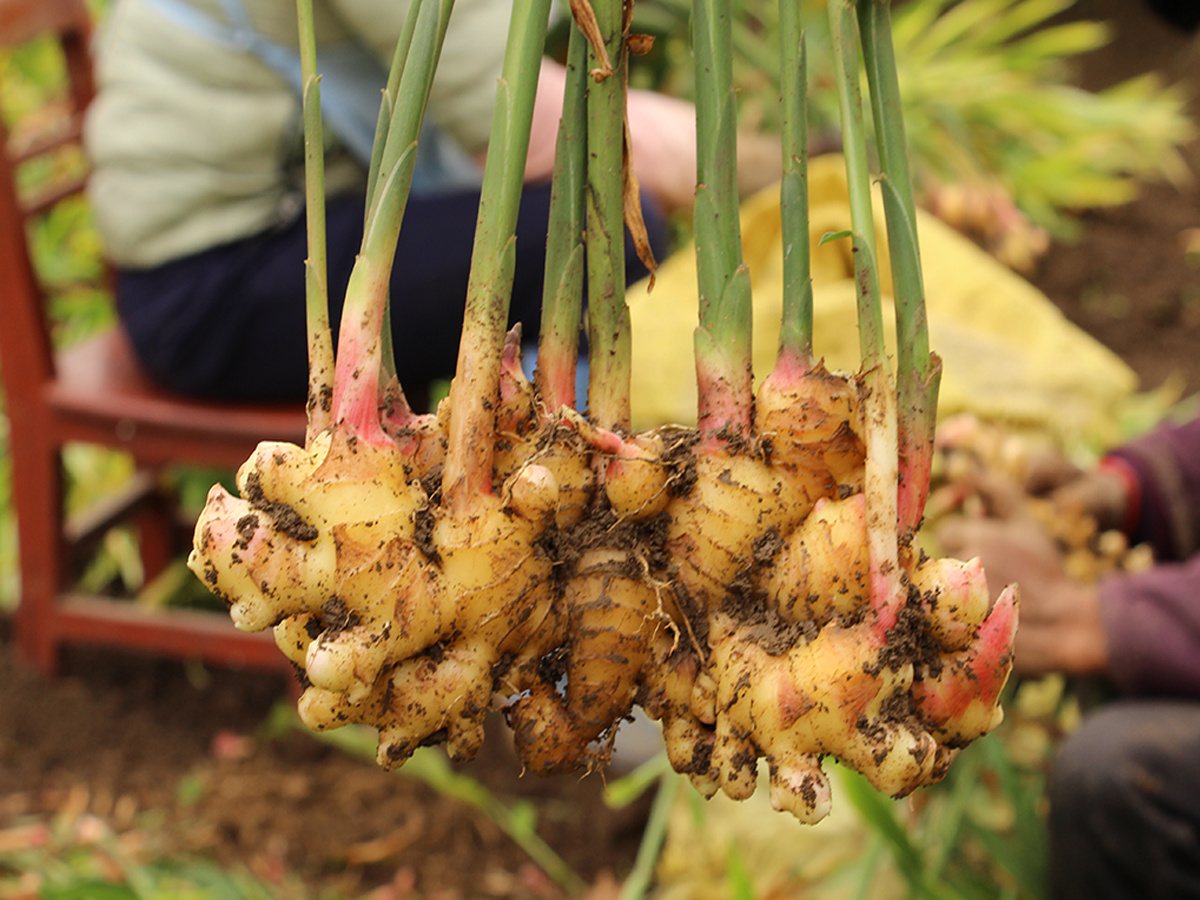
{"x": 831, "y": 236}
{"x": 625, "y": 790}
{"x": 879, "y": 812}
{"x": 191, "y": 789}
{"x": 388, "y": 210}
{"x": 741, "y": 885}
{"x": 522, "y": 817}
{"x": 869, "y": 868}
{"x": 653, "y": 838}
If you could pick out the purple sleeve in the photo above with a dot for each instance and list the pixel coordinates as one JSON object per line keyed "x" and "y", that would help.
{"x": 1152, "y": 622}
{"x": 1166, "y": 464}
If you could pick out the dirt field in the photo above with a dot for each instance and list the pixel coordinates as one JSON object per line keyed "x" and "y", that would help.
{"x": 1129, "y": 282}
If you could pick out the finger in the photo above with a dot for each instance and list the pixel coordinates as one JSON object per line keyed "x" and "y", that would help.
{"x": 1048, "y": 471}
{"x": 1002, "y": 496}
{"x": 1102, "y": 495}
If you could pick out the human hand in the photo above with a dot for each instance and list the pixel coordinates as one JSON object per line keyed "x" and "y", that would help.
{"x": 1100, "y": 493}
{"x": 1061, "y": 629}
{"x": 1000, "y": 473}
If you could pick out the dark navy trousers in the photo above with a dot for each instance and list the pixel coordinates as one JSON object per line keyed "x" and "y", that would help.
{"x": 1125, "y": 805}
{"x": 228, "y": 323}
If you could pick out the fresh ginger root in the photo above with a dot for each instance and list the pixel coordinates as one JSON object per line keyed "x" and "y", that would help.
{"x": 724, "y": 589}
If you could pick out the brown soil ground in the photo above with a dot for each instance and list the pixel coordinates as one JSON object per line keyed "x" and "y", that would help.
{"x": 178, "y": 754}
{"x": 145, "y": 744}
{"x": 1129, "y": 282}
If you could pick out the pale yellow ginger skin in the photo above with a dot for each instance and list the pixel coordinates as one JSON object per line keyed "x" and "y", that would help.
{"x": 266, "y": 573}
{"x": 638, "y": 487}
{"x": 724, "y": 588}
{"x": 614, "y": 621}
{"x": 294, "y": 634}
{"x": 357, "y": 502}
{"x": 386, "y": 610}
{"x": 827, "y": 696}
{"x": 958, "y": 692}
{"x": 379, "y": 598}
{"x": 337, "y": 482}
{"x": 954, "y": 597}
{"x": 813, "y": 424}
{"x": 426, "y": 695}
{"x": 569, "y": 465}
{"x": 736, "y": 499}
{"x": 418, "y": 698}
{"x": 823, "y": 570}
{"x": 669, "y": 698}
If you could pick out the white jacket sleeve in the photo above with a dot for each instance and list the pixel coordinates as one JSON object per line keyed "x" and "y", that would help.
{"x": 464, "y": 88}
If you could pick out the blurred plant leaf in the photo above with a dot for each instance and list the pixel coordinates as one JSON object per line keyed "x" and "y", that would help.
{"x": 988, "y": 99}
{"x": 623, "y": 791}
{"x": 90, "y": 890}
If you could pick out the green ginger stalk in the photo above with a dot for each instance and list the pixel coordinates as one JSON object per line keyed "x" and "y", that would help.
{"x": 919, "y": 371}
{"x": 609, "y": 335}
{"x": 320, "y": 340}
{"x": 723, "y": 351}
{"x": 881, "y": 474}
{"x": 562, "y": 301}
{"x": 475, "y": 389}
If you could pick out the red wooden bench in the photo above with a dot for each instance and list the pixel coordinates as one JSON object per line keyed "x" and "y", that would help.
{"x": 95, "y": 392}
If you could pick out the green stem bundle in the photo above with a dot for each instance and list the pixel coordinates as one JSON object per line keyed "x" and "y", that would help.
{"x": 362, "y": 345}
{"x": 795, "y": 335}
{"x": 880, "y": 475}
{"x": 388, "y": 109}
{"x": 858, "y": 180}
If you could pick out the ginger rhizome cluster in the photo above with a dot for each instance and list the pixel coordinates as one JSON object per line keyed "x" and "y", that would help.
{"x": 724, "y": 590}
{"x": 752, "y": 583}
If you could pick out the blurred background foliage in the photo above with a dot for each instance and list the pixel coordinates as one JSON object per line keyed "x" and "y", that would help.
{"x": 1004, "y": 144}
{"x": 988, "y": 94}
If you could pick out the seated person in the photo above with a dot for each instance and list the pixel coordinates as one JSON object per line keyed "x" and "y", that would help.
{"x": 196, "y": 141}
{"x": 1125, "y": 790}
